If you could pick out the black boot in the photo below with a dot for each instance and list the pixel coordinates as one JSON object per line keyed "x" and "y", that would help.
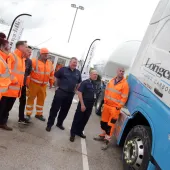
{"x": 61, "y": 127}
{"x": 72, "y": 138}
{"x": 48, "y": 128}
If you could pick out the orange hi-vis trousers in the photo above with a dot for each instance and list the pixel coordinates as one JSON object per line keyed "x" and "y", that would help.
{"x": 108, "y": 119}
{"x": 35, "y": 91}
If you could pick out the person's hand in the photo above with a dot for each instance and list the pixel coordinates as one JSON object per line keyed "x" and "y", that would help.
{"x": 83, "y": 108}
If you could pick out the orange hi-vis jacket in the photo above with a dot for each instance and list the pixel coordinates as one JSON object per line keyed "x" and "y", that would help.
{"x": 116, "y": 95}
{"x": 5, "y": 76}
{"x": 16, "y": 64}
{"x": 42, "y": 72}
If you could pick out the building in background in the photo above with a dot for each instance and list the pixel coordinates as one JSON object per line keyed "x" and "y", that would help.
{"x": 57, "y": 59}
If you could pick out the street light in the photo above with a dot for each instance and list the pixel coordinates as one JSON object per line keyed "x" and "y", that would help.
{"x": 74, "y": 6}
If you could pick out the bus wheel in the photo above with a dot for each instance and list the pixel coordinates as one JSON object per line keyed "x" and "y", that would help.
{"x": 137, "y": 148}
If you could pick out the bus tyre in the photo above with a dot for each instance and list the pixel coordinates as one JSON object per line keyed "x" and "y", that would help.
{"x": 137, "y": 148}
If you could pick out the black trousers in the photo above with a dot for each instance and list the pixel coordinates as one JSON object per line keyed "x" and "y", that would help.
{"x": 81, "y": 118}
{"x": 105, "y": 127}
{"x": 62, "y": 101}
{"x": 6, "y": 105}
{"x": 22, "y": 103}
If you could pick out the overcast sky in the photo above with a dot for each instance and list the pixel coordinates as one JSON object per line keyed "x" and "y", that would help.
{"x": 113, "y": 21}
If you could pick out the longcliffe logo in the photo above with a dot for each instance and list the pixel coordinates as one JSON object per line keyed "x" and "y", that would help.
{"x": 15, "y": 31}
{"x": 160, "y": 71}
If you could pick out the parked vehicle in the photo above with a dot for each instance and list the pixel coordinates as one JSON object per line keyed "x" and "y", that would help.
{"x": 123, "y": 56}
{"x": 143, "y": 128}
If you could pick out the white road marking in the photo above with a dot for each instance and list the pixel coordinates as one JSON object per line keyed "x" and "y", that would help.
{"x": 84, "y": 155}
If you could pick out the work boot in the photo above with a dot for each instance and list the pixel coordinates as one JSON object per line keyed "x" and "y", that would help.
{"x": 5, "y": 127}
{"x": 40, "y": 117}
{"x": 99, "y": 138}
{"x": 82, "y": 136}
{"x": 72, "y": 138}
{"x": 48, "y": 128}
{"x": 28, "y": 117}
{"x": 60, "y": 127}
{"x": 106, "y": 145}
{"x": 24, "y": 122}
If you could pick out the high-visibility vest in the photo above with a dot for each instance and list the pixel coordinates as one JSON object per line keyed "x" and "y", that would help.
{"x": 5, "y": 79}
{"x": 116, "y": 95}
{"x": 42, "y": 72}
{"x": 17, "y": 66}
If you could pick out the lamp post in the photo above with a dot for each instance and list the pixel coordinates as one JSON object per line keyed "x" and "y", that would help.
{"x": 74, "y": 6}
{"x": 14, "y": 22}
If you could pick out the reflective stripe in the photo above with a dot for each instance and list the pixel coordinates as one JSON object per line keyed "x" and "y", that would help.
{"x": 39, "y": 106}
{"x": 116, "y": 91}
{"x": 29, "y": 111}
{"x": 18, "y": 72}
{"x": 122, "y": 103}
{"x": 116, "y": 100}
{"x": 7, "y": 73}
{"x": 39, "y": 72}
{"x": 29, "y": 106}
{"x": 14, "y": 88}
{"x": 15, "y": 70}
{"x": 50, "y": 77}
{"x": 4, "y": 75}
{"x": 111, "y": 98}
{"x": 113, "y": 90}
{"x": 3, "y": 89}
{"x": 39, "y": 111}
{"x": 37, "y": 81}
{"x": 124, "y": 95}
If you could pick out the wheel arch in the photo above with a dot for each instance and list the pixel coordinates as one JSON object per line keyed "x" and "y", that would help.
{"x": 138, "y": 118}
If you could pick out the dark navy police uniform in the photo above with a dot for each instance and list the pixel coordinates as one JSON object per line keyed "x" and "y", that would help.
{"x": 80, "y": 120}
{"x": 67, "y": 81}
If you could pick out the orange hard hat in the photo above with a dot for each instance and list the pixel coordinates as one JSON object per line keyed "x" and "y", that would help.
{"x": 44, "y": 51}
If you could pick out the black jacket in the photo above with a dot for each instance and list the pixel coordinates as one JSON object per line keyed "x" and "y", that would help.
{"x": 28, "y": 69}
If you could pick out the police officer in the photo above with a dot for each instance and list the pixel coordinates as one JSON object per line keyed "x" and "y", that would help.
{"x": 67, "y": 79}
{"x": 86, "y": 94}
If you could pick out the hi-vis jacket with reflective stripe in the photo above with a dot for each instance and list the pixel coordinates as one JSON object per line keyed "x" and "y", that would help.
{"x": 16, "y": 64}
{"x": 5, "y": 79}
{"x": 42, "y": 72}
{"x": 116, "y": 95}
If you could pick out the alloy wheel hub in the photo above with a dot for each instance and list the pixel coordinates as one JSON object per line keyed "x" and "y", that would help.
{"x": 134, "y": 152}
